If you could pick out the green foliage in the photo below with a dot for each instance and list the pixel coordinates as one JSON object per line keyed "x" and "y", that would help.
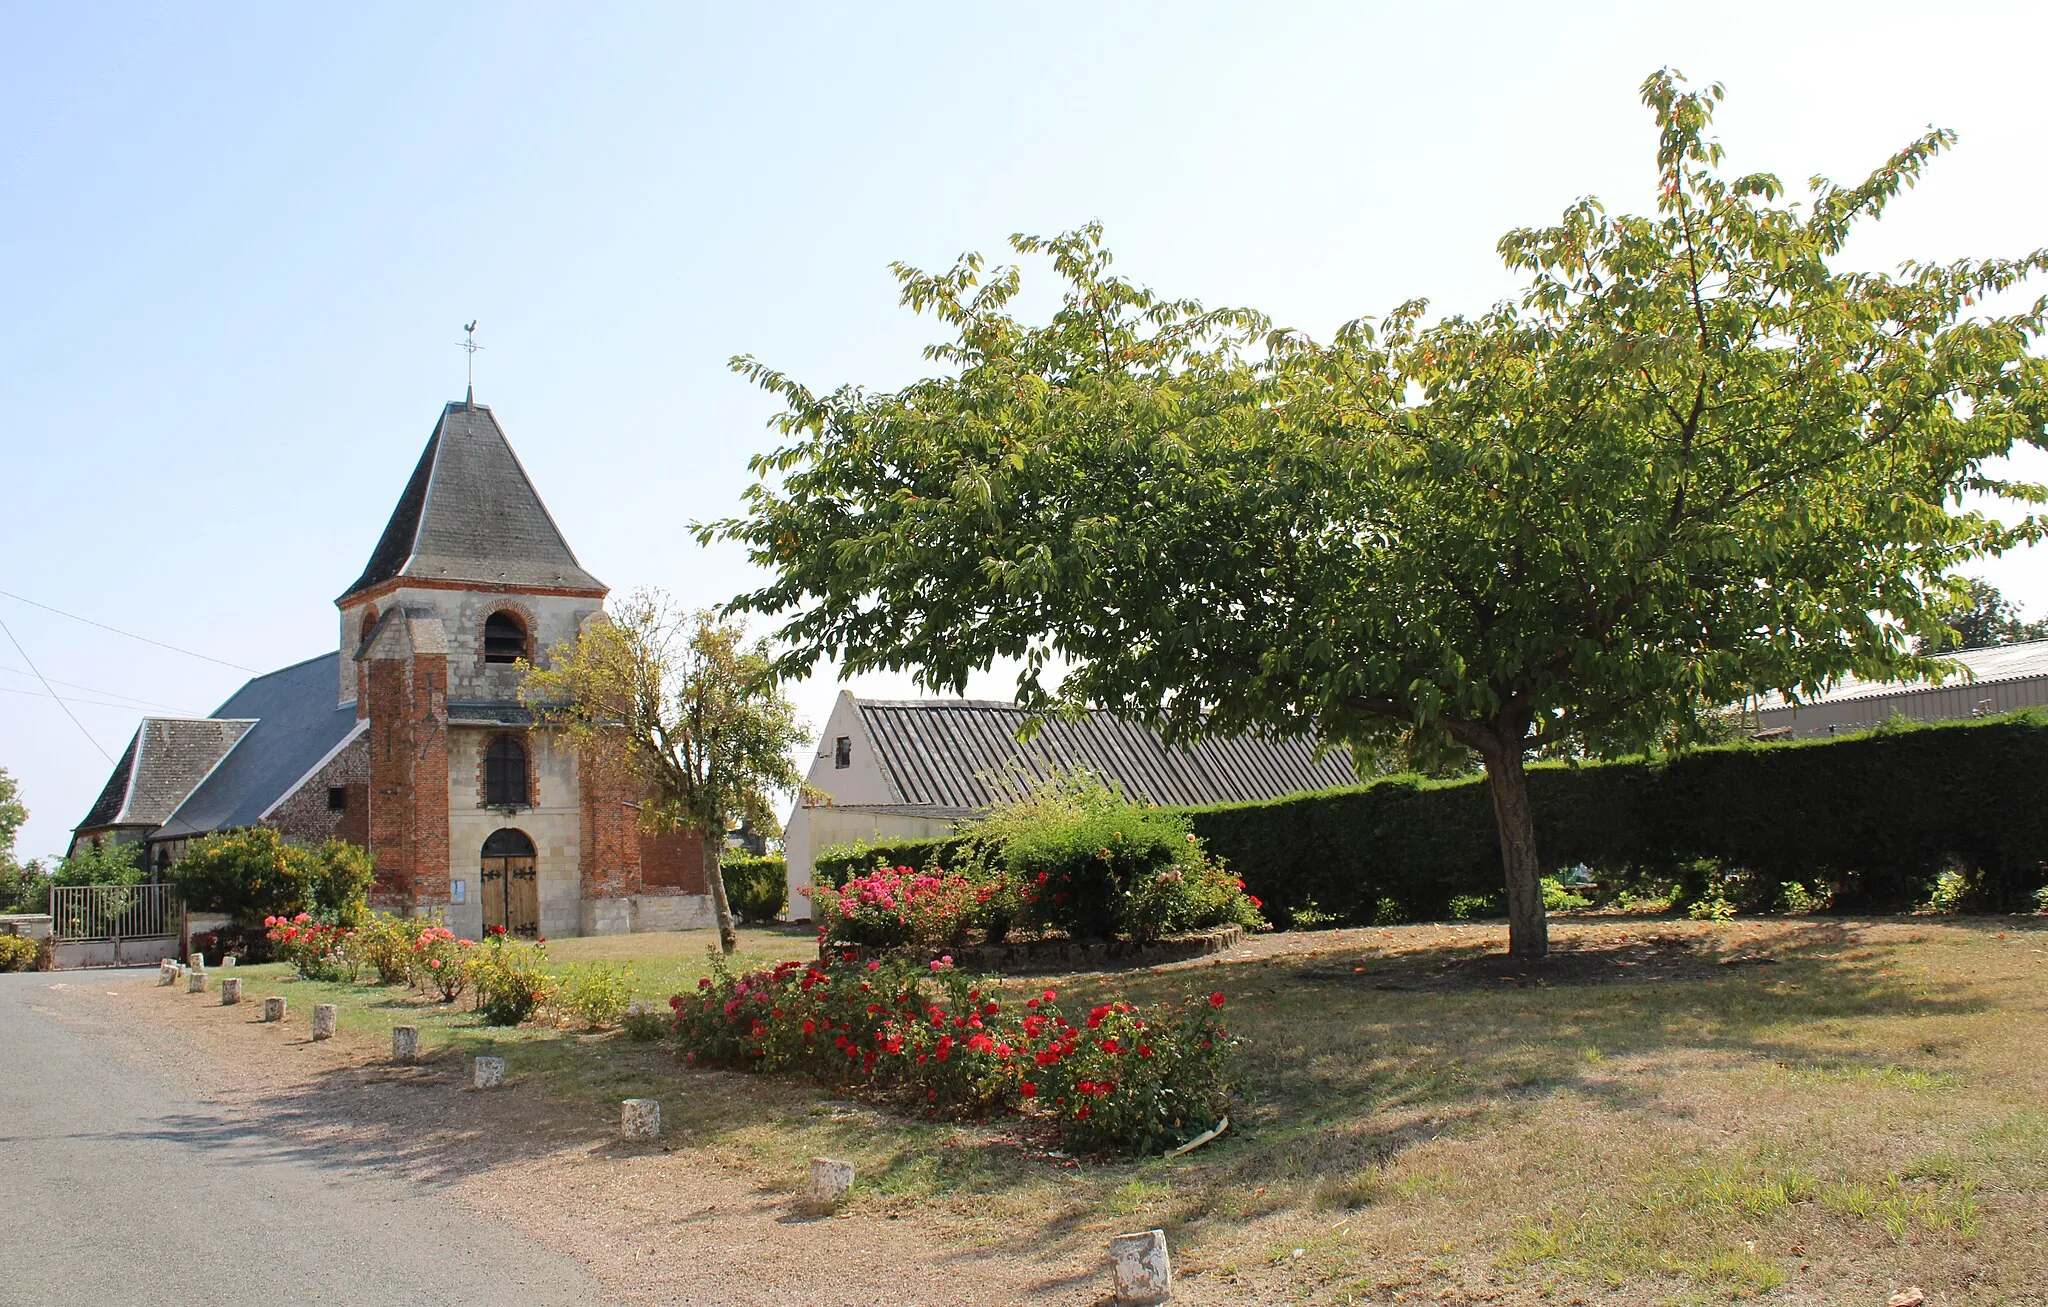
{"x": 756, "y": 887}
{"x": 253, "y": 873}
{"x": 510, "y": 979}
{"x": 1695, "y": 458}
{"x": 383, "y": 944}
{"x": 1981, "y": 617}
{"x": 106, "y": 863}
{"x": 24, "y": 887}
{"x": 1558, "y": 898}
{"x": 836, "y": 863}
{"x": 13, "y": 812}
{"x": 1875, "y": 817}
{"x": 684, "y": 708}
{"x": 17, "y": 952}
{"x": 1796, "y": 899}
{"x": 1469, "y": 907}
{"x": 592, "y": 993}
{"x": 1116, "y": 1079}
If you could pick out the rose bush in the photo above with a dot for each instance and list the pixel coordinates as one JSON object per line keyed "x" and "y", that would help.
{"x": 316, "y": 949}
{"x": 440, "y": 962}
{"x": 510, "y": 978}
{"x": 927, "y": 1037}
{"x": 892, "y": 906}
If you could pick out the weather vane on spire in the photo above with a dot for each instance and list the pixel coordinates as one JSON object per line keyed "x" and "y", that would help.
{"x": 470, "y": 345}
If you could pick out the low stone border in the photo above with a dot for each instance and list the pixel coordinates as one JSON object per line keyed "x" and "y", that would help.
{"x": 1065, "y": 954}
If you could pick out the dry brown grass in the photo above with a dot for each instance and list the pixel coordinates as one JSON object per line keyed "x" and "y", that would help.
{"x": 1842, "y": 1109}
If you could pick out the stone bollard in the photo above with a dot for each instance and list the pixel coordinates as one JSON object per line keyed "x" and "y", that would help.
{"x": 324, "y": 1015}
{"x": 230, "y": 990}
{"x": 640, "y": 1119}
{"x": 273, "y": 1009}
{"x": 195, "y": 981}
{"x": 830, "y": 1181}
{"x": 228, "y": 960}
{"x": 167, "y": 973}
{"x": 1143, "y": 1273}
{"x": 405, "y": 1044}
{"x": 488, "y": 1072}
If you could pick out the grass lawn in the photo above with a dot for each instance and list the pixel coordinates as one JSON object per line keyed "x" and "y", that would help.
{"x": 1801, "y": 1110}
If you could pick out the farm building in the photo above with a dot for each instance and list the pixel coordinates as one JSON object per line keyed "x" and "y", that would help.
{"x": 913, "y": 769}
{"x": 2002, "y": 679}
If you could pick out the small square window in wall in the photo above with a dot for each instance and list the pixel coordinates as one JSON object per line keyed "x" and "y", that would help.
{"x": 337, "y": 798}
{"x": 842, "y": 751}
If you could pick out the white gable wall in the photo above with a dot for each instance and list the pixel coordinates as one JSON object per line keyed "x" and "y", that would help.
{"x": 814, "y": 825}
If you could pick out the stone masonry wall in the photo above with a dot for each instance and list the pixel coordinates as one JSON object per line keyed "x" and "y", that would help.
{"x": 304, "y": 814}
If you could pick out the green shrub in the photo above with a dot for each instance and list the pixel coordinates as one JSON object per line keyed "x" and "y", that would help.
{"x": 107, "y": 863}
{"x": 2041, "y": 899}
{"x": 17, "y": 952}
{"x": 836, "y": 863}
{"x": 510, "y": 977}
{"x": 1468, "y": 907}
{"x": 253, "y": 873}
{"x": 1878, "y": 816}
{"x": 644, "y": 1022}
{"x": 383, "y": 944}
{"x": 756, "y": 887}
{"x": 593, "y": 993}
{"x": 1113, "y": 1079}
{"x": 1557, "y": 897}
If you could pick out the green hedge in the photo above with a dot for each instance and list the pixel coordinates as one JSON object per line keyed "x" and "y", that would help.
{"x": 833, "y": 865}
{"x": 755, "y": 887}
{"x": 1877, "y": 816}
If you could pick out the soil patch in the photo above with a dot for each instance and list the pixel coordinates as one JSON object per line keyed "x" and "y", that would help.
{"x": 1626, "y": 959}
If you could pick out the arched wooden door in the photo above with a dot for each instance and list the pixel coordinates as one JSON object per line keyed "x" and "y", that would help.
{"x": 511, "y": 889}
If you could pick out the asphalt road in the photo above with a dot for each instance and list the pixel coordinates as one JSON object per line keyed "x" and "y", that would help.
{"x": 118, "y": 1187}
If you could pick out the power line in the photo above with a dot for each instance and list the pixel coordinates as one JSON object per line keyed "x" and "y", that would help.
{"x": 53, "y": 694}
{"x": 95, "y": 703}
{"x": 94, "y": 689}
{"x": 130, "y": 634}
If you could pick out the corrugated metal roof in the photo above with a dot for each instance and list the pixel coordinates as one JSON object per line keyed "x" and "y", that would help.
{"x": 470, "y": 513}
{"x": 943, "y": 752}
{"x": 2008, "y": 662}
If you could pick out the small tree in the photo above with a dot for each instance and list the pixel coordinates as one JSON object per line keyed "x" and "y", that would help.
{"x": 105, "y": 863}
{"x": 1983, "y": 617}
{"x": 1696, "y": 459}
{"x": 685, "y": 710}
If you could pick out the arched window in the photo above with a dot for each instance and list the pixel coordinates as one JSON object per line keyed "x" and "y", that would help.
{"x": 504, "y": 638}
{"x": 505, "y": 773}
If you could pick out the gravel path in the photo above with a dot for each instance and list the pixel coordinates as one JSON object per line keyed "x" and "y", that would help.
{"x": 123, "y": 1187}
{"x": 241, "y": 1162}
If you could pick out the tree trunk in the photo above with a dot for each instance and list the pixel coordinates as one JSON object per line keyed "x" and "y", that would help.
{"x": 1528, "y": 932}
{"x": 714, "y": 878}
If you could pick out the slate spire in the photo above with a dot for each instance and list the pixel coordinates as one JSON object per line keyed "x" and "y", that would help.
{"x": 471, "y": 514}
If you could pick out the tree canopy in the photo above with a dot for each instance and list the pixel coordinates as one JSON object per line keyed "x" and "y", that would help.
{"x": 1983, "y": 617}
{"x": 1695, "y": 459}
{"x": 688, "y": 710}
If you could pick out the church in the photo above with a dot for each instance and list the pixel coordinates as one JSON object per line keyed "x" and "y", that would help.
{"x": 409, "y": 739}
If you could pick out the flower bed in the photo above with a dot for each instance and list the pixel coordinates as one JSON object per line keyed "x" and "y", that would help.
{"x": 928, "y": 1037}
{"x": 1022, "y": 957}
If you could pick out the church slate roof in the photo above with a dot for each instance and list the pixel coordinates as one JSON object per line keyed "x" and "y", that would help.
{"x": 470, "y": 513}
{"x": 296, "y": 724}
{"x": 166, "y": 758}
{"x": 939, "y": 753}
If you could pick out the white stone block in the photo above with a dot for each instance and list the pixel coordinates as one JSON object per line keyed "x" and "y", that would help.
{"x": 167, "y": 974}
{"x": 488, "y": 1072}
{"x": 829, "y": 1182}
{"x": 640, "y": 1119}
{"x": 324, "y": 1015}
{"x": 1144, "y": 1275}
{"x": 273, "y": 1009}
{"x": 195, "y": 982}
{"x": 405, "y": 1044}
{"x": 230, "y": 990}
{"x": 228, "y": 961}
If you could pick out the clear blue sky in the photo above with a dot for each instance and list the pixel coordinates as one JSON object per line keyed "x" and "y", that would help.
{"x": 239, "y": 242}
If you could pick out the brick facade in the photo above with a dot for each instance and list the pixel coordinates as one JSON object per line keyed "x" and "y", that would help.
{"x": 306, "y": 815}
{"x": 407, "y": 706}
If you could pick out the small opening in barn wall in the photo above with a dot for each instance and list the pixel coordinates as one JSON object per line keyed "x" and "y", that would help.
{"x": 504, "y": 639}
{"x": 337, "y": 798}
{"x": 842, "y": 751}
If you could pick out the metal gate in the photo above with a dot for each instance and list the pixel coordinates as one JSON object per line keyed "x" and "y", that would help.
{"x": 115, "y": 925}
